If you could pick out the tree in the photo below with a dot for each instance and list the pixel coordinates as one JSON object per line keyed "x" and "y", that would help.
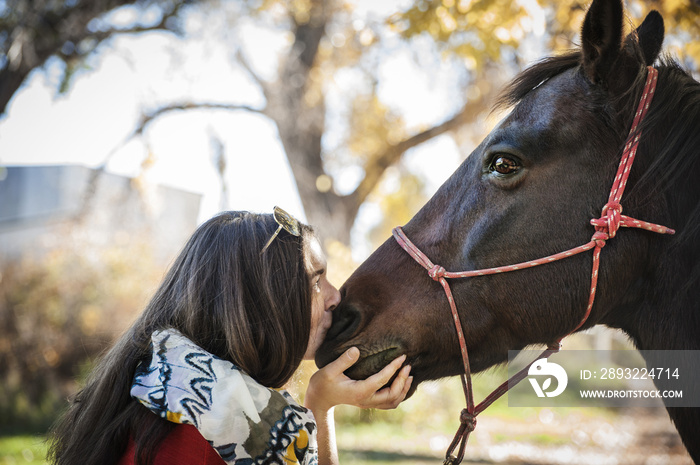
{"x": 31, "y": 32}
{"x": 296, "y": 103}
{"x": 46, "y": 307}
{"x": 482, "y": 38}
{"x": 496, "y": 23}
{"x": 483, "y": 34}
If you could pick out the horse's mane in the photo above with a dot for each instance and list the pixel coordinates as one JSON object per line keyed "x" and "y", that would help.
{"x": 675, "y": 123}
{"x": 674, "y": 130}
{"x": 534, "y": 76}
{"x": 673, "y": 127}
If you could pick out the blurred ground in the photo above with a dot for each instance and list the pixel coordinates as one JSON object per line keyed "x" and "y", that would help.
{"x": 420, "y": 430}
{"x": 545, "y": 437}
{"x": 540, "y": 437}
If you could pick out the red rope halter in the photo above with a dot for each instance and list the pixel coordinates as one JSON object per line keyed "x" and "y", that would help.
{"x": 606, "y": 227}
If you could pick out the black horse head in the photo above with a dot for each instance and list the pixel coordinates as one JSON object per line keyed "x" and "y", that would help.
{"x": 530, "y": 190}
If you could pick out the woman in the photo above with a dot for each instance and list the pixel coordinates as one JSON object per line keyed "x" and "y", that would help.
{"x": 196, "y": 378}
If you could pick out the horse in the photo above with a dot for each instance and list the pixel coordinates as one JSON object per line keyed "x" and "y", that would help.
{"x": 530, "y": 190}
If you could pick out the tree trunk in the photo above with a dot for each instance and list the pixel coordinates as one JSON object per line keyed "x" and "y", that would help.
{"x": 39, "y": 30}
{"x": 300, "y": 122}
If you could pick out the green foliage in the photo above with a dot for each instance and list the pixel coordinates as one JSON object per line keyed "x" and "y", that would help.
{"x": 477, "y": 29}
{"x": 16, "y": 450}
{"x": 375, "y": 127}
{"x": 400, "y": 196}
{"x": 57, "y": 314}
{"x": 482, "y": 30}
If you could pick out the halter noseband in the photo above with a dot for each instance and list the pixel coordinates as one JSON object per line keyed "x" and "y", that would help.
{"x": 606, "y": 227}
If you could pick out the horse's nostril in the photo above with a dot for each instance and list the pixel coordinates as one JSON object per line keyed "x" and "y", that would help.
{"x": 346, "y": 320}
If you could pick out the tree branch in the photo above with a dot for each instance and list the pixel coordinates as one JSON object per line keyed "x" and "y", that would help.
{"x": 148, "y": 118}
{"x": 378, "y": 165}
{"x": 162, "y": 25}
{"x": 243, "y": 61}
{"x": 52, "y": 28}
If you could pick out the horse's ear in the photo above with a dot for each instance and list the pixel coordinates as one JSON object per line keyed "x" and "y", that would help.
{"x": 651, "y": 36}
{"x": 601, "y": 37}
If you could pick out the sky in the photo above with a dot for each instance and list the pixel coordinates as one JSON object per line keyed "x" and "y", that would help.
{"x": 103, "y": 105}
{"x": 90, "y": 123}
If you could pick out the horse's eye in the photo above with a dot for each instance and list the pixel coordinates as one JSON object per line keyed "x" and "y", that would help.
{"x": 504, "y": 164}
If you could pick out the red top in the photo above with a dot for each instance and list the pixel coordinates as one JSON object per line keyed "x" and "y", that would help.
{"x": 183, "y": 446}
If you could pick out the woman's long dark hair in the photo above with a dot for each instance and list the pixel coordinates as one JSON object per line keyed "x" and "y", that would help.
{"x": 248, "y": 307}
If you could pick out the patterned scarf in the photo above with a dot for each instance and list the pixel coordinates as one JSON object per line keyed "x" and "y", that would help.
{"x": 245, "y": 422}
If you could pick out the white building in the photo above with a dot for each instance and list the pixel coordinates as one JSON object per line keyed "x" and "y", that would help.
{"x": 39, "y": 205}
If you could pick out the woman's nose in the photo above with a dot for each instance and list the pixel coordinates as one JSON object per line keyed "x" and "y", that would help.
{"x": 333, "y": 298}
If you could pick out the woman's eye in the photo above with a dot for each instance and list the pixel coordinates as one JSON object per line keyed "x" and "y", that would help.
{"x": 504, "y": 164}
{"x": 317, "y": 286}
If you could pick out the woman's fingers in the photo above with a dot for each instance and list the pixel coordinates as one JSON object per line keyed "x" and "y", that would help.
{"x": 407, "y": 386}
{"x": 382, "y": 377}
{"x": 389, "y": 400}
{"x": 399, "y": 384}
{"x": 342, "y": 363}
{"x": 390, "y": 396}
{"x": 330, "y": 386}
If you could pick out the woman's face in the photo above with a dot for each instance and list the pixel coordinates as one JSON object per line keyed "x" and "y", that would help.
{"x": 324, "y": 298}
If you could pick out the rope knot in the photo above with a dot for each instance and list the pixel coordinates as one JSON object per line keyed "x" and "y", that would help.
{"x": 436, "y": 272}
{"x": 608, "y": 224}
{"x": 468, "y": 420}
{"x": 599, "y": 237}
{"x": 611, "y": 214}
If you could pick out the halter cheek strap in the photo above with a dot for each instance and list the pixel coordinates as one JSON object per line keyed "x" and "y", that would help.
{"x": 606, "y": 227}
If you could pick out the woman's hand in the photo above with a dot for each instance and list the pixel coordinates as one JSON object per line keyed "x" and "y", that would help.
{"x": 329, "y": 386}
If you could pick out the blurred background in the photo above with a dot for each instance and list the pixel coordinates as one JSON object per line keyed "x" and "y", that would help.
{"x": 124, "y": 124}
